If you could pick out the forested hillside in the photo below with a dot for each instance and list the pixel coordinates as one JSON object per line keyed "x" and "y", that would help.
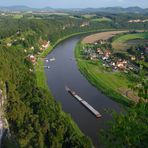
{"x": 35, "y": 119}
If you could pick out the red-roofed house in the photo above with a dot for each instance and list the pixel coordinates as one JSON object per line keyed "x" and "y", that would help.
{"x": 32, "y": 58}
{"x": 107, "y": 53}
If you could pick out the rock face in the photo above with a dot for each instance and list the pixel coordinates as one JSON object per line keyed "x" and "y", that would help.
{"x": 4, "y": 128}
{"x": 1, "y": 116}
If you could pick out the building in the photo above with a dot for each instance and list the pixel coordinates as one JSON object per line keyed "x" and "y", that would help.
{"x": 32, "y": 58}
{"x": 93, "y": 56}
{"x": 133, "y": 58}
{"x": 101, "y": 42}
{"x": 9, "y": 44}
{"x": 32, "y": 48}
{"x": 99, "y": 51}
{"x": 107, "y": 53}
{"x": 84, "y": 24}
{"x": 121, "y": 64}
{"x": 44, "y": 45}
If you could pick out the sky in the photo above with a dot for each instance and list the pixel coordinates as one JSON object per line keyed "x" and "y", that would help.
{"x": 75, "y": 3}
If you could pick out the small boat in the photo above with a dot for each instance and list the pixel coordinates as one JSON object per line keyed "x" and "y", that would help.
{"x": 52, "y": 59}
{"x": 47, "y": 67}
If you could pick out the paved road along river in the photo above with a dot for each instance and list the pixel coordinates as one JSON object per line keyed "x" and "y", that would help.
{"x": 64, "y": 71}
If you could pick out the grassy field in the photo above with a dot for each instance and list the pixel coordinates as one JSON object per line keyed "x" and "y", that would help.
{"x": 88, "y": 16}
{"x": 108, "y": 82}
{"x": 17, "y": 16}
{"x": 103, "y": 19}
{"x": 121, "y": 43}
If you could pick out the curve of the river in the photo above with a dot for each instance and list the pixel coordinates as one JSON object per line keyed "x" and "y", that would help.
{"x": 64, "y": 71}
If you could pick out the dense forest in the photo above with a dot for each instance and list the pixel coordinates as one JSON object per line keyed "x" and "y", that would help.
{"x": 35, "y": 118}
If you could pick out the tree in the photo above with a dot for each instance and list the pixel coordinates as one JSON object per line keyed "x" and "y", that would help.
{"x": 128, "y": 130}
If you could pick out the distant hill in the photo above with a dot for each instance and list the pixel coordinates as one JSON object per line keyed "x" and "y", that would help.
{"x": 117, "y": 10}
{"x": 86, "y": 10}
{"x": 16, "y": 8}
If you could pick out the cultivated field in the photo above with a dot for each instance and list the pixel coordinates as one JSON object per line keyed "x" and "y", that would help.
{"x": 103, "y": 19}
{"x": 101, "y": 36}
{"x": 126, "y": 41}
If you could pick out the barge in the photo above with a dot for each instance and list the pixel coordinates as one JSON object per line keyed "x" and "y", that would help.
{"x": 83, "y": 102}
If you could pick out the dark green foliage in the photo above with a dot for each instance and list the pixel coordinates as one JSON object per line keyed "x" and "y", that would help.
{"x": 35, "y": 119}
{"x": 129, "y": 130}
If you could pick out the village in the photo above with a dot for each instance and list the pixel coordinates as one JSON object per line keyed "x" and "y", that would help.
{"x": 43, "y": 46}
{"x": 101, "y": 50}
{"x": 138, "y": 21}
{"x": 33, "y": 47}
{"x": 31, "y": 51}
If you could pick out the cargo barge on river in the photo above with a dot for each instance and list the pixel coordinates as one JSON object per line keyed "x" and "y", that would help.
{"x": 83, "y": 102}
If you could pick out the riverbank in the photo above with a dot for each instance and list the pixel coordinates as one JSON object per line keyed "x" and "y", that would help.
{"x": 39, "y": 68}
{"x": 41, "y": 81}
{"x": 107, "y": 82}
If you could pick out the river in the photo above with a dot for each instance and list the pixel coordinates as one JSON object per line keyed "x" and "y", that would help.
{"x": 64, "y": 72}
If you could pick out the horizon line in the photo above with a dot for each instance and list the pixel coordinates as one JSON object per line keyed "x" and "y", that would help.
{"x": 71, "y": 7}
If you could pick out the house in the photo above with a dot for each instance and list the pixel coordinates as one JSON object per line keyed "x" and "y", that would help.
{"x": 84, "y": 24}
{"x": 31, "y": 70}
{"x": 3, "y": 14}
{"x": 32, "y": 58}
{"x": 44, "y": 44}
{"x": 93, "y": 56}
{"x": 104, "y": 58}
{"x": 142, "y": 57}
{"x": 99, "y": 50}
{"x": 9, "y": 44}
{"x": 101, "y": 42}
{"x": 64, "y": 28}
{"x": 112, "y": 63}
{"x": 121, "y": 64}
{"x": 23, "y": 39}
{"x": 107, "y": 53}
{"x": 133, "y": 58}
{"x": 87, "y": 51}
{"x": 138, "y": 21}
{"x": 32, "y": 48}
{"x": 124, "y": 62}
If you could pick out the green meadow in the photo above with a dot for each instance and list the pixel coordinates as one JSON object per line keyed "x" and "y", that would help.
{"x": 106, "y": 81}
